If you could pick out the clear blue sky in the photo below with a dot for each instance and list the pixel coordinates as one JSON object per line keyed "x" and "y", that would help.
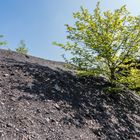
{"x": 40, "y": 22}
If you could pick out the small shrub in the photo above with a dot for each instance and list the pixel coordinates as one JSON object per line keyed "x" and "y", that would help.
{"x": 22, "y": 48}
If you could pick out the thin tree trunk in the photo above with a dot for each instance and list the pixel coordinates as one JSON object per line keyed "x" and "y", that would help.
{"x": 112, "y": 75}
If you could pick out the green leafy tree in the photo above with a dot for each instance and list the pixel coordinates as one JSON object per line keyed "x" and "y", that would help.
{"x": 131, "y": 76}
{"x": 22, "y": 48}
{"x": 103, "y": 41}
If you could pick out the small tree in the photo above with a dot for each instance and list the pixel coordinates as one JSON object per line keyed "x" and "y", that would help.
{"x": 22, "y": 48}
{"x": 103, "y": 41}
{"x": 2, "y": 43}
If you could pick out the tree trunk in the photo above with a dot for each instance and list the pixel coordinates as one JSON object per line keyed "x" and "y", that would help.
{"x": 112, "y": 75}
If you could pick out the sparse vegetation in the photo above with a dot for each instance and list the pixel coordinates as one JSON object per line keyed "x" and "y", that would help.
{"x": 22, "y": 48}
{"x": 2, "y": 43}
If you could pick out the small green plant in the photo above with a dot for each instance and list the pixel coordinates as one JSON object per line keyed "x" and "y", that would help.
{"x": 2, "y": 43}
{"x": 132, "y": 80}
{"x": 85, "y": 73}
{"x": 22, "y": 48}
{"x": 112, "y": 90}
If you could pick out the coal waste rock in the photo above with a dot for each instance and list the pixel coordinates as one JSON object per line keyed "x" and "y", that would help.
{"x": 43, "y": 100}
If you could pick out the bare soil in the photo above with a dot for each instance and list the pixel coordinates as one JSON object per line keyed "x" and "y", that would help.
{"x": 43, "y": 100}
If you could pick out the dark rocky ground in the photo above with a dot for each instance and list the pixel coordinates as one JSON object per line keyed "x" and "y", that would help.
{"x": 42, "y": 100}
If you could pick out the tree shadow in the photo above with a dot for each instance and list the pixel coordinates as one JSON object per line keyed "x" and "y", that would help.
{"x": 109, "y": 115}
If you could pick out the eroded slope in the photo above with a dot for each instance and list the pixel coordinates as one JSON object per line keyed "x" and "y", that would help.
{"x": 42, "y": 100}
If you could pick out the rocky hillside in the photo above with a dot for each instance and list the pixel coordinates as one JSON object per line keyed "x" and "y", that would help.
{"x": 42, "y": 100}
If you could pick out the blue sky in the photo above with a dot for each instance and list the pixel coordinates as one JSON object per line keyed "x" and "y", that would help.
{"x": 40, "y": 22}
